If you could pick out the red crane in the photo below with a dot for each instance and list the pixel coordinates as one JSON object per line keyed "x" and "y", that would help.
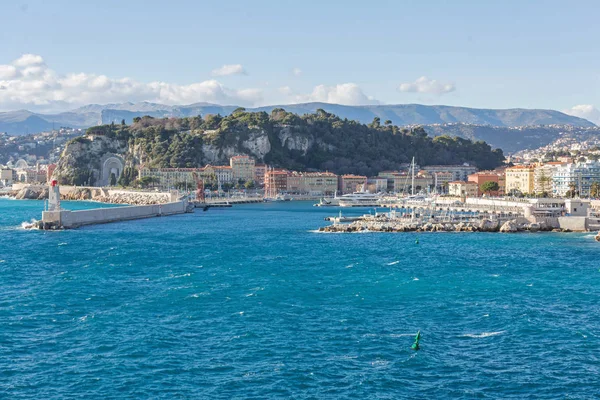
{"x": 199, "y": 188}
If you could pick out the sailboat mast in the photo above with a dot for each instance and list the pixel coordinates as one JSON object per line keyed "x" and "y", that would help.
{"x": 412, "y": 186}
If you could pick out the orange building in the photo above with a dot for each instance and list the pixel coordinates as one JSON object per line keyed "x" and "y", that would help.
{"x": 351, "y": 183}
{"x": 275, "y": 182}
{"x": 489, "y": 176}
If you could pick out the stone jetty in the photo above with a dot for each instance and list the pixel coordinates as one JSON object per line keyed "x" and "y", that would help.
{"x": 385, "y": 224}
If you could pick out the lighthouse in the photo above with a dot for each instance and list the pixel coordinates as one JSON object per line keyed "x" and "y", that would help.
{"x": 54, "y": 197}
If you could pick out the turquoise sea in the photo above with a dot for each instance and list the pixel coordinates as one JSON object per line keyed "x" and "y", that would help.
{"x": 252, "y": 303}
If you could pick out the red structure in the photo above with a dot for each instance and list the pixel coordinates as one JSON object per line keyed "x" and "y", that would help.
{"x": 199, "y": 188}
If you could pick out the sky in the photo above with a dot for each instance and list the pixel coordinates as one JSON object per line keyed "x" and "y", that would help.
{"x": 59, "y": 55}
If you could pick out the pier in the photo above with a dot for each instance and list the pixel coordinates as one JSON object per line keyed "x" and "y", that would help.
{"x": 56, "y": 218}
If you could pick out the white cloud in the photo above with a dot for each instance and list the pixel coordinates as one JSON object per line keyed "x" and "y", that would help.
{"x": 286, "y": 90}
{"x": 426, "y": 85}
{"x": 229, "y": 69}
{"x": 28, "y": 59}
{"x": 346, "y": 93}
{"x": 586, "y": 111}
{"x": 296, "y": 71}
{"x": 29, "y": 83}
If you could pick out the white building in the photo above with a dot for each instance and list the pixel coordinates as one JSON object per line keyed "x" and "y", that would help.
{"x": 579, "y": 176}
{"x": 459, "y": 172}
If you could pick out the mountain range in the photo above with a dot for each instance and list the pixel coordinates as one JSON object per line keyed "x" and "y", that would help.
{"x": 23, "y": 121}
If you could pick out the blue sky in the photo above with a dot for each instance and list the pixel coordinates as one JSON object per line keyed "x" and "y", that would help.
{"x": 471, "y": 53}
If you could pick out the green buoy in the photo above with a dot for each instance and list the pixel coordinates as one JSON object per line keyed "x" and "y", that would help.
{"x": 415, "y": 345}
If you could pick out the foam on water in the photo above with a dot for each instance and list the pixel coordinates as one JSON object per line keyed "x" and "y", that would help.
{"x": 482, "y": 335}
{"x": 29, "y": 225}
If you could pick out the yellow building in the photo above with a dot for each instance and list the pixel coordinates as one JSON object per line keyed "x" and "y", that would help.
{"x": 242, "y": 167}
{"x": 520, "y": 178}
{"x": 170, "y": 178}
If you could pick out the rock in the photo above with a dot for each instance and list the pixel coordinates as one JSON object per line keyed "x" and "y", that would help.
{"x": 533, "y": 227}
{"x": 597, "y": 237}
{"x": 509, "y": 227}
{"x": 29, "y": 193}
{"x": 487, "y": 225}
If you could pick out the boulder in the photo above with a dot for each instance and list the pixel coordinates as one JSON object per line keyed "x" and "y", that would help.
{"x": 534, "y": 227}
{"x": 509, "y": 227}
{"x": 597, "y": 237}
{"x": 487, "y": 225}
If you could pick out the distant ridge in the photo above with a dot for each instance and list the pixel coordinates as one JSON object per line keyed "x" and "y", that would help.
{"x": 23, "y": 121}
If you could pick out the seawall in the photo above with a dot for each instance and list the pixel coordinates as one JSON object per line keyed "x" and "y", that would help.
{"x": 73, "y": 219}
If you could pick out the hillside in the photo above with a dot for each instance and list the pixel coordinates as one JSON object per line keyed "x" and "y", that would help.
{"x": 511, "y": 140}
{"x": 319, "y": 141}
{"x": 21, "y": 122}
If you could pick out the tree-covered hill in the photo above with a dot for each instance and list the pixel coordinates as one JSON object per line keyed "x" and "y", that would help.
{"x": 318, "y": 141}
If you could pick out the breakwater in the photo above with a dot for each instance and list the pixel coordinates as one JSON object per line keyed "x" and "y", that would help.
{"x": 66, "y": 219}
{"x": 384, "y": 223}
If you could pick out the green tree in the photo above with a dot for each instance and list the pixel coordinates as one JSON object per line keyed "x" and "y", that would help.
{"x": 489, "y": 186}
{"x": 595, "y": 189}
{"x": 249, "y": 184}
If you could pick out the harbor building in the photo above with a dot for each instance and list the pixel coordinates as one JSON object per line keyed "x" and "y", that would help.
{"x": 579, "y": 177}
{"x": 463, "y": 189}
{"x": 312, "y": 183}
{"x": 519, "y": 179}
{"x": 401, "y": 182}
{"x": 459, "y": 172}
{"x": 276, "y": 182}
{"x": 223, "y": 173}
{"x": 543, "y": 177}
{"x": 351, "y": 183}
{"x": 8, "y": 176}
{"x": 169, "y": 178}
{"x": 377, "y": 184}
{"x": 242, "y": 168}
{"x": 259, "y": 174}
{"x": 482, "y": 177}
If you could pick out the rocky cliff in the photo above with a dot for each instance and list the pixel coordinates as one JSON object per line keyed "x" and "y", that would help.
{"x": 319, "y": 141}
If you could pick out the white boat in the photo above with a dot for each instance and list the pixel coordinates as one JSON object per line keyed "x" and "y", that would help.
{"x": 360, "y": 199}
{"x": 329, "y": 201}
{"x": 279, "y": 197}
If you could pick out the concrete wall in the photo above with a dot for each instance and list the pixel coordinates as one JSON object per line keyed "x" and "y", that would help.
{"x": 74, "y": 219}
{"x": 573, "y": 223}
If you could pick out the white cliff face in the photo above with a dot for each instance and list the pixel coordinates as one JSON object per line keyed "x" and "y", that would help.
{"x": 86, "y": 154}
{"x": 258, "y": 144}
{"x": 217, "y": 155}
{"x": 294, "y": 141}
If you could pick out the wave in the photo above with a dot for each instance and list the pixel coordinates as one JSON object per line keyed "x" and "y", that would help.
{"x": 393, "y": 263}
{"x": 482, "y": 335}
{"x": 415, "y": 279}
{"x": 29, "y": 225}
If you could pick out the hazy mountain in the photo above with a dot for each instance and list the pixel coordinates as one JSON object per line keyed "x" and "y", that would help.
{"x": 401, "y": 114}
{"x": 513, "y": 139}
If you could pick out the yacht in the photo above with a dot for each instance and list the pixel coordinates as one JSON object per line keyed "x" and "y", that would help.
{"x": 360, "y": 199}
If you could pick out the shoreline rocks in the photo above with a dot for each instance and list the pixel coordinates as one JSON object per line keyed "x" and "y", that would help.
{"x": 395, "y": 225}
{"x": 94, "y": 194}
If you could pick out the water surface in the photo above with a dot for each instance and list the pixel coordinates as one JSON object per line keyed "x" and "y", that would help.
{"x": 251, "y": 302}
